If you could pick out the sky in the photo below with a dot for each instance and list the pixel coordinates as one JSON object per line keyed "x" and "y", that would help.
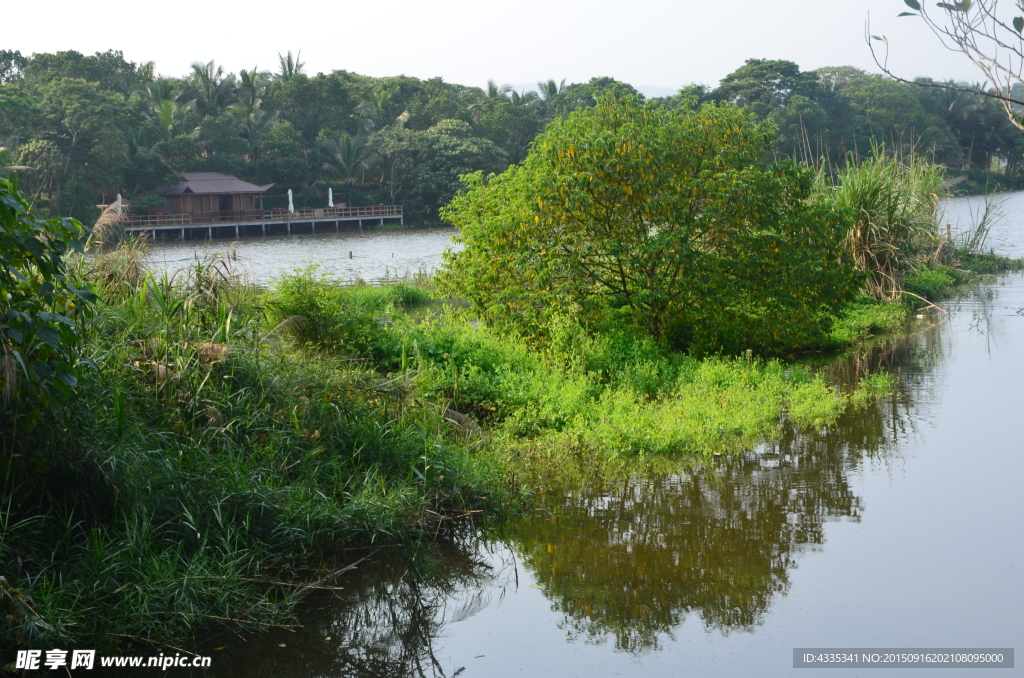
{"x": 652, "y": 43}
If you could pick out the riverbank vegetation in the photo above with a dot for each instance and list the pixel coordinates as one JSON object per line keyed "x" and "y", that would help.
{"x": 188, "y": 465}
{"x": 186, "y": 450}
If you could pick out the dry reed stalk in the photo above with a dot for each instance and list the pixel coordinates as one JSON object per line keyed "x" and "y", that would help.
{"x": 109, "y": 228}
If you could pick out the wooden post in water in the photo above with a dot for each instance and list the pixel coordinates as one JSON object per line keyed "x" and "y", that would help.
{"x": 350, "y": 255}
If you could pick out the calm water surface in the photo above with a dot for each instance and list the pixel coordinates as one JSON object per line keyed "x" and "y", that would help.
{"x": 376, "y": 255}
{"x": 1007, "y": 234}
{"x": 899, "y": 527}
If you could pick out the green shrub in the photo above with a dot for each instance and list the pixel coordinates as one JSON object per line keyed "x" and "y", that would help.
{"x": 932, "y": 282}
{"x": 989, "y": 264}
{"x": 866, "y": 317}
{"x": 207, "y": 469}
{"x": 665, "y": 221}
{"x": 346, "y": 319}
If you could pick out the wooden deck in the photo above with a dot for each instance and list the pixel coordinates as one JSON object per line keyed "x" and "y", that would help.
{"x": 260, "y": 222}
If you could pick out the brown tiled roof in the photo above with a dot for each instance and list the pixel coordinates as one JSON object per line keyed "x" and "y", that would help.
{"x": 210, "y": 183}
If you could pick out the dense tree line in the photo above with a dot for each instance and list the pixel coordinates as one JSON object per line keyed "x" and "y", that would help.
{"x": 824, "y": 115}
{"x": 84, "y": 128}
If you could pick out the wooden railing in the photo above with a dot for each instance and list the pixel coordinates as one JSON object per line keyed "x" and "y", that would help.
{"x": 281, "y": 214}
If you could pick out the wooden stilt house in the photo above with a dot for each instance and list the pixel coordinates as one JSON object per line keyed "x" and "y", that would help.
{"x": 212, "y": 196}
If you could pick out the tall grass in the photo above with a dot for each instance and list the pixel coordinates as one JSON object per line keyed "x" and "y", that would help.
{"x": 209, "y": 467}
{"x": 893, "y": 201}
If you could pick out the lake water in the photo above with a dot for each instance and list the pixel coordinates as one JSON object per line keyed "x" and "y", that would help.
{"x": 899, "y": 527}
{"x": 1007, "y": 234}
{"x": 376, "y": 255}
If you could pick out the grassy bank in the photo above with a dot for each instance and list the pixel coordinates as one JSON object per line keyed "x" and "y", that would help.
{"x": 209, "y": 467}
{"x": 582, "y": 402}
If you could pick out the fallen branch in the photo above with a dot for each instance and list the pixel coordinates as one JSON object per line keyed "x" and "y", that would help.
{"x": 306, "y": 590}
{"x": 930, "y": 304}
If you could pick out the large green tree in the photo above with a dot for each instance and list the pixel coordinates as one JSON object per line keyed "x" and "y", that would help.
{"x": 82, "y": 121}
{"x": 669, "y": 220}
{"x": 766, "y": 85}
{"x": 423, "y": 169}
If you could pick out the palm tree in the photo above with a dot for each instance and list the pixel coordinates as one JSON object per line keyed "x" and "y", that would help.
{"x": 290, "y": 66}
{"x": 348, "y": 156}
{"x": 252, "y": 86}
{"x": 253, "y": 126}
{"x": 156, "y": 90}
{"x": 169, "y": 116}
{"x": 549, "y": 89}
{"x": 377, "y": 111}
{"x": 494, "y": 91}
{"x": 525, "y": 99}
{"x": 213, "y": 89}
{"x": 168, "y": 108}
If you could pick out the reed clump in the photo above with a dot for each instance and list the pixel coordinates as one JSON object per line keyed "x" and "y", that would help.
{"x": 893, "y": 201}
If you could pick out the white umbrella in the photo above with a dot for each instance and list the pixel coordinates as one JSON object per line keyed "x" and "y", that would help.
{"x": 330, "y": 197}
{"x": 291, "y": 207}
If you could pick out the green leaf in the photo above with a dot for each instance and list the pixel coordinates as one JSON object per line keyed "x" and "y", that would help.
{"x": 877, "y": 37}
{"x": 946, "y": 6}
{"x": 1018, "y": 23}
{"x": 905, "y": 14}
{"x": 913, "y": 4}
{"x": 49, "y": 336}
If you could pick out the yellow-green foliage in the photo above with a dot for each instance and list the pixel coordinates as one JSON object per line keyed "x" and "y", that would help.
{"x": 669, "y": 221}
{"x": 865, "y": 318}
{"x": 606, "y": 398}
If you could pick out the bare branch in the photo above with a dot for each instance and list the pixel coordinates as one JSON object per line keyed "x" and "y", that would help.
{"x": 979, "y": 32}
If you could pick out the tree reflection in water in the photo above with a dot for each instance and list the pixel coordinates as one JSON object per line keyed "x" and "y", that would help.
{"x": 631, "y": 563}
{"x": 628, "y": 563}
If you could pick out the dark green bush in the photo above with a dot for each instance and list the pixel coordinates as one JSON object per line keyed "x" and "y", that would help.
{"x": 931, "y": 282}
{"x": 344, "y": 319}
{"x": 41, "y": 305}
{"x": 989, "y": 264}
